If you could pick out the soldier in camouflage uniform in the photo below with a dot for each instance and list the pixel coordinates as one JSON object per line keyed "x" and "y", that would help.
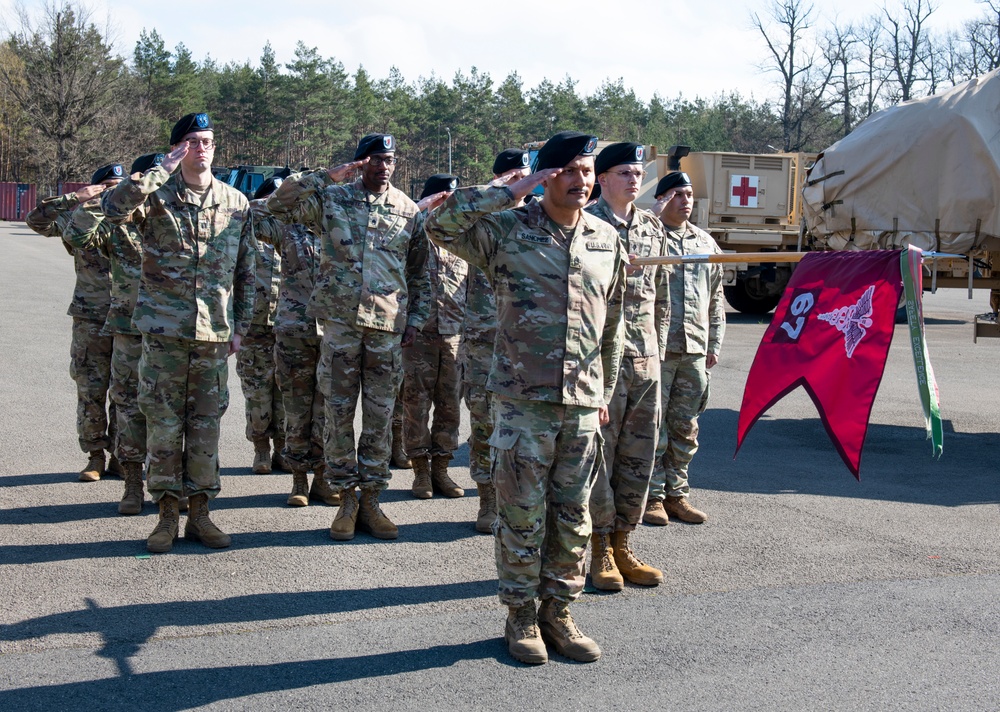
{"x": 122, "y": 245}
{"x": 619, "y": 494}
{"x": 265, "y": 413}
{"x": 557, "y": 276}
{"x": 431, "y": 374}
{"x": 90, "y": 346}
{"x": 694, "y": 339}
{"x": 194, "y": 306}
{"x": 297, "y": 349}
{"x": 371, "y": 299}
{"x": 479, "y": 330}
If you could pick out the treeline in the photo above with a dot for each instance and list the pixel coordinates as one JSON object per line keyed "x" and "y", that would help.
{"x": 68, "y": 102}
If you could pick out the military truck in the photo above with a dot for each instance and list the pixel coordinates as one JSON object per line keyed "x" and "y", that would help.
{"x": 748, "y": 203}
{"x": 924, "y": 173}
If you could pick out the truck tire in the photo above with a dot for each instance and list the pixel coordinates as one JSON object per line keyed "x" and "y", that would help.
{"x": 745, "y": 299}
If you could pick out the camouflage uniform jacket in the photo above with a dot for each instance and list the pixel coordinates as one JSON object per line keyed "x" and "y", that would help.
{"x": 480, "y": 323}
{"x": 697, "y": 312}
{"x": 647, "y": 290}
{"x": 559, "y": 300}
{"x": 373, "y": 255}
{"x": 267, "y": 275}
{"x": 448, "y": 276}
{"x": 300, "y": 257}
{"x": 122, "y": 245}
{"x": 197, "y": 268}
{"x": 92, "y": 292}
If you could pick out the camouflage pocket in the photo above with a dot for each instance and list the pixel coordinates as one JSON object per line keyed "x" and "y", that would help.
{"x": 704, "y": 396}
{"x": 77, "y": 358}
{"x": 503, "y": 463}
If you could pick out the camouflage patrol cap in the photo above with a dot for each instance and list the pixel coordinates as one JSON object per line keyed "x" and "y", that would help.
{"x": 510, "y": 159}
{"x": 563, "y": 148}
{"x": 671, "y": 180}
{"x": 188, "y": 123}
{"x": 375, "y": 143}
{"x": 146, "y": 161}
{"x": 437, "y": 183}
{"x": 618, "y": 154}
{"x": 108, "y": 172}
{"x": 268, "y": 187}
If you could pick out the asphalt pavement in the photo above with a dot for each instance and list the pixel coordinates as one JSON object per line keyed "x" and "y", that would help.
{"x": 806, "y": 589}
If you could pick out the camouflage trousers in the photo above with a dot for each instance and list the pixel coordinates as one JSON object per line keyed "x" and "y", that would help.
{"x": 357, "y": 361}
{"x": 255, "y": 366}
{"x": 90, "y": 369}
{"x": 296, "y": 361}
{"x": 431, "y": 377}
{"x": 477, "y": 359}
{"x": 545, "y": 458}
{"x": 630, "y": 438}
{"x": 183, "y": 392}
{"x": 683, "y": 397}
{"x": 124, "y": 392}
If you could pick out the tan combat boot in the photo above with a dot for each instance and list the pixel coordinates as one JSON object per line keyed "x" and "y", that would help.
{"x": 630, "y": 565}
{"x": 440, "y": 480}
{"x": 524, "y": 640}
{"x": 114, "y": 467}
{"x": 321, "y": 490}
{"x": 132, "y": 499}
{"x": 300, "y": 488}
{"x": 372, "y": 519}
{"x": 559, "y": 630}
{"x": 261, "y": 456}
{"x": 603, "y": 572}
{"x": 487, "y": 508}
{"x": 161, "y": 540}
{"x": 342, "y": 528}
{"x": 200, "y": 528}
{"x": 399, "y": 458}
{"x": 95, "y": 467}
{"x": 680, "y": 507}
{"x": 655, "y": 514}
{"x": 277, "y": 461}
{"x": 422, "y": 488}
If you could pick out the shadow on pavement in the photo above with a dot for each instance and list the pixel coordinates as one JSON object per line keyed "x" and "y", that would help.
{"x": 166, "y": 691}
{"x": 896, "y": 463}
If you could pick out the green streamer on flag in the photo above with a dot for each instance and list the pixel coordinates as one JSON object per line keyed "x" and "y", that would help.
{"x": 910, "y": 267}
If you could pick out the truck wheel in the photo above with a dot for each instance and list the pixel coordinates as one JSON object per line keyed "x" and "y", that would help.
{"x": 744, "y": 298}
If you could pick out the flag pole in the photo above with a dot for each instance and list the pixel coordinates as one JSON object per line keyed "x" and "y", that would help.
{"x": 748, "y": 258}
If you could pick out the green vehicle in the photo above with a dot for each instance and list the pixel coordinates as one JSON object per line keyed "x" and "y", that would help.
{"x": 247, "y": 179}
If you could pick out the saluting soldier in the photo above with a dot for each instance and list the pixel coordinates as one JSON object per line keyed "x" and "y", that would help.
{"x": 619, "y": 494}
{"x": 297, "y": 340}
{"x": 90, "y": 348}
{"x": 557, "y": 276}
{"x": 479, "y": 330}
{"x": 371, "y": 299}
{"x": 431, "y": 376}
{"x": 264, "y": 411}
{"x": 194, "y": 306}
{"x": 122, "y": 245}
{"x": 694, "y": 340}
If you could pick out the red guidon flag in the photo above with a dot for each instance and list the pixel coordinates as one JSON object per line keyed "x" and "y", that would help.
{"x": 830, "y": 334}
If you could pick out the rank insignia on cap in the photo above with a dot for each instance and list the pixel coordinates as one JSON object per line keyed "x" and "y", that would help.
{"x": 117, "y": 170}
{"x": 201, "y": 120}
{"x": 589, "y": 148}
{"x": 387, "y": 143}
{"x": 638, "y": 153}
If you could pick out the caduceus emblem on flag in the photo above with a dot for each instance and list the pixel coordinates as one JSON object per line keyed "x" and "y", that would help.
{"x": 853, "y": 321}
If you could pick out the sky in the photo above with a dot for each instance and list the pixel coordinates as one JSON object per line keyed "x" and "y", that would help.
{"x": 682, "y": 48}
